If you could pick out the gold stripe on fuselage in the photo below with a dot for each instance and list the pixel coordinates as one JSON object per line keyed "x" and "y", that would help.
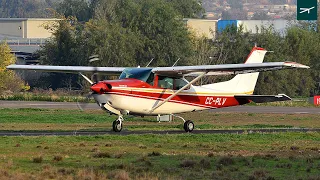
{"x": 168, "y": 91}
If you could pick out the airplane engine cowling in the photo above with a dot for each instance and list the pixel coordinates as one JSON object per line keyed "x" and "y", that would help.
{"x": 100, "y": 88}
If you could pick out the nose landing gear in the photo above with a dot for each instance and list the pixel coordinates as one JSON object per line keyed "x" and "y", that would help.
{"x": 117, "y": 124}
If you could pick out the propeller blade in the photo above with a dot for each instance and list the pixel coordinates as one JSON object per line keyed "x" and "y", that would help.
{"x": 86, "y": 78}
{"x": 84, "y": 104}
{"x": 94, "y": 77}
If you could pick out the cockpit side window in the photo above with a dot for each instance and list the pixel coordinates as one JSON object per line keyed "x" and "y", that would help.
{"x": 150, "y": 79}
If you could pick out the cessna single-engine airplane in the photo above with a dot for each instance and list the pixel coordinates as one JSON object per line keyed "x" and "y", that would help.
{"x": 165, "y": 91}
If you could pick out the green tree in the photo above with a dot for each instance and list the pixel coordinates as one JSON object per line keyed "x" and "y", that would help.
{"x": 188, "y": 8}
{"x": 161, "y": 35}
{"x": 66, "y": 47}
{"x": 78, "y": 8}
{"x": 26, "y": 8}
{"x": 115, "y": 45}
{"x": 303, "y": 47}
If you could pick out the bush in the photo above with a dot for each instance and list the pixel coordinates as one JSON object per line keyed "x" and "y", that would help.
{"x": 38, "y": 159}
{"x": 57, "y": 158}
{"x": 226, "y": 161}
{"x": 101, "y": 155}
{"x": 188, "y": 164}
{"x": 154, "y": 154}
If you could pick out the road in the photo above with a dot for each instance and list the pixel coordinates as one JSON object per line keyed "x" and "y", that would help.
{"x": 251, "y": 109}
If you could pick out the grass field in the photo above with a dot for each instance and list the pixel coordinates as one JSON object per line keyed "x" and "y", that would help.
{"x": 184, "y": 156}
{"x": 49, "y": 119}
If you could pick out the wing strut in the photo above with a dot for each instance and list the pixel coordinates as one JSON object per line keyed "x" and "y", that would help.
{"x": 181, "y": 89}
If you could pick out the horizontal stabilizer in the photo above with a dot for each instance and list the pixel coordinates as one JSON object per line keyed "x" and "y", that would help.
{"x": 262, "y": 98}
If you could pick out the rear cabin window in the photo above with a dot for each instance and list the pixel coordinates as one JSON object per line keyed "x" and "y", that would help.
{"x": 174, "y": 83}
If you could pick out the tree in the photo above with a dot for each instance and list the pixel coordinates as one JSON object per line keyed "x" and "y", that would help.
{"x": 188, "y": 8}
{"x": 260, "y": 16}
{"x": 152, "y": 26}
{"x": 66, "y": 47}
{"x": 26, "y": 8}
{"x": 81, "y": 9}
{"x": 9, "y": 81}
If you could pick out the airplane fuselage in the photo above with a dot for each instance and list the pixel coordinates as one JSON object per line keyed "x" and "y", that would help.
{"x": 138, "y": 97}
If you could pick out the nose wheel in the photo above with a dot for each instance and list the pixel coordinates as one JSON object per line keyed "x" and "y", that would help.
{"x": 117, "y": 124}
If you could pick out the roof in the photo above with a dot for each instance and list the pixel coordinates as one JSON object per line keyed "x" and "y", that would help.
{"x": 29, "y": 19}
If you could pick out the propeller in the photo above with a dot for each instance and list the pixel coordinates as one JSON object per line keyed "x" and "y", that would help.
{"x": 94, "y": 80}
{"x": 96, "y": 88}
{"x": 83, "y": 104}
{"x": 94, "y": 77}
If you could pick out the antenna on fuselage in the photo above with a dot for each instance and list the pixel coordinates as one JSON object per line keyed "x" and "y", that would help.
{"x": 175, "y": 63}
{"x": 150, "y": 62}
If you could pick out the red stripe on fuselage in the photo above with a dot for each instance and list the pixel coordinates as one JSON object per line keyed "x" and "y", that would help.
{"x": 207, "y": 101}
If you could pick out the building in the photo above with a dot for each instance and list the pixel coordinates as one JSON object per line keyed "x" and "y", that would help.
{"x": 25, "y": 28}
{"x": 254, "y": 26}
{"x": 25, "y": 36}
{"x": 202, "y": 27}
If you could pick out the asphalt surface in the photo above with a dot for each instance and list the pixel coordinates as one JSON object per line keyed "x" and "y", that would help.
{"x": 251, "y": 109}
{"x": 66, "y": 105}
{"x": 126, "y": 132}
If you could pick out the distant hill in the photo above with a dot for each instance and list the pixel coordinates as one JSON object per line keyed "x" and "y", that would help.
{"x": 26, "y": 8}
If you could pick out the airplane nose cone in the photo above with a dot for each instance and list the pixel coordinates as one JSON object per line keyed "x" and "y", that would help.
{"x": 100, "y": 88}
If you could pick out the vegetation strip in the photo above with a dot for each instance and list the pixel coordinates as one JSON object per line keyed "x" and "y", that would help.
{"x": 126, "y": 133}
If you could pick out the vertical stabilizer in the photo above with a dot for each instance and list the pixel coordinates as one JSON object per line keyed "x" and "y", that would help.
{"x": 242, "y": 83}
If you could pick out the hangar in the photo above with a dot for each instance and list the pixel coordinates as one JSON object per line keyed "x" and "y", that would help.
{"x": 25, "y": 36}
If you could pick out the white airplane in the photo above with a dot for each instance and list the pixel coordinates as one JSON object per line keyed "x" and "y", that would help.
{"x": 303, "y": 10}
{"x": 165, "y": 91}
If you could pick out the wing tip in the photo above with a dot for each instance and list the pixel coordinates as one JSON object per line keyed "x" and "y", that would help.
{"x": 296, "y": 65}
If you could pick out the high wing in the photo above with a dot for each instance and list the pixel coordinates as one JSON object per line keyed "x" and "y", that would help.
{"x": 226, "y": 69}
{"x": 68, "y": 69}
{"x": 223, "y": 69}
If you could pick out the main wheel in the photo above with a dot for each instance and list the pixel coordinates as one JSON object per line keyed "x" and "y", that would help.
{"x": 188, "y": 126}
{"x": 117, "y": 126}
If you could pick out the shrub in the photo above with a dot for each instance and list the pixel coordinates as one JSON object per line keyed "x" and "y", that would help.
{"x": 108, "y": 145}
{"x": 204, "y": 163}
{"x": 101, "y": 155}
{"x": 188, "y": 164}
{"x": 154, "y": 154}
{"x": 38, "y": 159}
{"x": 57, "y": 158}
{"x": 226, "y": 161}
{"x": 210, "y": 154}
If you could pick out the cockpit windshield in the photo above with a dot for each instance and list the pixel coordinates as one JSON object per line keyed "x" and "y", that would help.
{"x": 143, "y": 74}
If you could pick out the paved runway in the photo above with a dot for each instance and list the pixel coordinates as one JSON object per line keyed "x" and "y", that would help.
{"x": 252, "y": 109}
{"x": 126, "y": 132}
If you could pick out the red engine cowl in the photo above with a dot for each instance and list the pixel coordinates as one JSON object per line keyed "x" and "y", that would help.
{"x": 101, "y": 87}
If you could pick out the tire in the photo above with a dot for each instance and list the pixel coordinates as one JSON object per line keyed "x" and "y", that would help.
{"x": 188, "y": 126}
{"x": 116, "y": 126}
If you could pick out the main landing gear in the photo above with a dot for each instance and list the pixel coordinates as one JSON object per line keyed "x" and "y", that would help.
{"x": 188, "y": 125}
{"x": 117, "y": 124}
